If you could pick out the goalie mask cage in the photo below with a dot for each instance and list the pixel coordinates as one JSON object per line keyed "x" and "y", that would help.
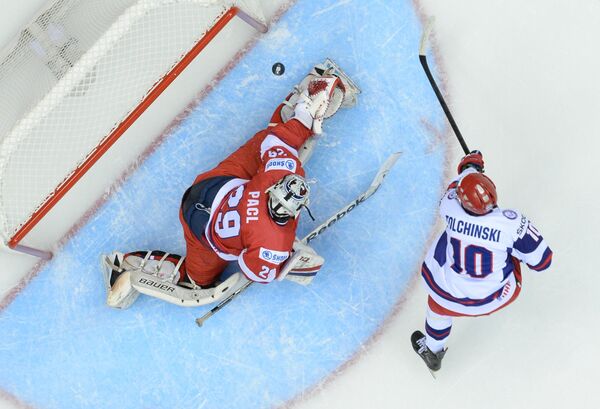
{"x": 77, "y": 77}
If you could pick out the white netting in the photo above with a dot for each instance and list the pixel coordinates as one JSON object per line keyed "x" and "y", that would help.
{"x": 74, "y": 74}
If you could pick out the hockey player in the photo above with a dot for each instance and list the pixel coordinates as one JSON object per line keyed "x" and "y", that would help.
{"x": 246, "y": 210}
{"x": 474, "y": 267}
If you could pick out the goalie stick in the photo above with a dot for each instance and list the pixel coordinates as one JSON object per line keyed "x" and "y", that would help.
{"x": 373, "y": 187}
{"x": 423, "y": 59}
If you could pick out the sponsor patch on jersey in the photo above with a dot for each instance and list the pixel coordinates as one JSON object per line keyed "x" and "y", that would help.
{"x": 509, "y": 214}
{"x": 273, "y": 256}
{"x": 522, "y": 227}
{"x": 281, "y": 164}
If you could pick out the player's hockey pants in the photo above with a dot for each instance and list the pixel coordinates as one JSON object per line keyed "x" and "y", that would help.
{"x": 438, "y": 309}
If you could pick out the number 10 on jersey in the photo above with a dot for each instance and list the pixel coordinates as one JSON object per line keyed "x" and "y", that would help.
{"x": 476, "y": 261}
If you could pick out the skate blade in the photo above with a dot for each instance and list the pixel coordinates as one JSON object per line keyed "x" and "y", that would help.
{"x": 433, "y": 373}
{"x": 107, "y": 266}
{"x": 352, "y": 90}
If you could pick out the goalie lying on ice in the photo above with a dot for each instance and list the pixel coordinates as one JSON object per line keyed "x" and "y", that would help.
{"x": 246, "y": 210}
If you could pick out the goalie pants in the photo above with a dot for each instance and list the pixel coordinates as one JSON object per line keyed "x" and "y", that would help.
{"x": 202, "y": 264}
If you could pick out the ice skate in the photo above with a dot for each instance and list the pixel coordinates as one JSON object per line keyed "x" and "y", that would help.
{"x": 120, "y": 293}
{"x": 431, "y": 359}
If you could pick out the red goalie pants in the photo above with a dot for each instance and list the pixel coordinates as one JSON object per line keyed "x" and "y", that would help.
{"x": 201, "y": 263}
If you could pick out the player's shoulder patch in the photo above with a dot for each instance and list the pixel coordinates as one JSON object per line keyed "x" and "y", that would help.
{"x": 281, "y": 164}
{"x": 273, "y": 256}
{"x": 510, "y": 214}
{"x": 515, "y": 221}
{"x": 452, "y": 194}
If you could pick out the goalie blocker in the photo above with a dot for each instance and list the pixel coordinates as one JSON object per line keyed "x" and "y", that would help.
{"x": 156, "y": 274}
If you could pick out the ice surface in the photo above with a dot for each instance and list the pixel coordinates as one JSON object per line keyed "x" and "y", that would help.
{"x": 62, "y": 347}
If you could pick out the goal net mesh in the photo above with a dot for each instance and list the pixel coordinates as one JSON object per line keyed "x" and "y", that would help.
{"x": 73, "y": 74}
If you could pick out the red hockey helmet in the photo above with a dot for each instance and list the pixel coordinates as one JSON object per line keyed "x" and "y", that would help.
{"x": 477, "y": 193}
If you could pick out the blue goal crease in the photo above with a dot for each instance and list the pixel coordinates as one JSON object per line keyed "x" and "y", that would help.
{"x": 62, "y": 347}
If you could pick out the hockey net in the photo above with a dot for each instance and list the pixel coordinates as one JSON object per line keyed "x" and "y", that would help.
{"x": 77, "y": 77}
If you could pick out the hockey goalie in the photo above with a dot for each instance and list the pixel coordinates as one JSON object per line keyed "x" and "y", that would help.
{"x": 245, "y": 210}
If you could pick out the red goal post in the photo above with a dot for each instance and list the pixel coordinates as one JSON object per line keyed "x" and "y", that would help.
{"x": 77, "y": 78}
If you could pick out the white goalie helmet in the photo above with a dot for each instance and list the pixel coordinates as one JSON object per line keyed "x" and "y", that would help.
{"x": 287, "y": 197}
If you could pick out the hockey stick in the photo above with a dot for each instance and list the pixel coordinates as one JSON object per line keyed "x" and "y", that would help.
{"x": 423, "y": 59}
{"x": 377, "y": 181}
{"x": 223, "y": 303}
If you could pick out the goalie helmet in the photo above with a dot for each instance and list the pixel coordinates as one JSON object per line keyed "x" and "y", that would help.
{"x": 477, "y": 194}
{"x": 287, "y": 197}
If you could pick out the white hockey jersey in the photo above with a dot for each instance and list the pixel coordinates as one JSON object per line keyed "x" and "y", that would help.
{"x": 471, "y": 266}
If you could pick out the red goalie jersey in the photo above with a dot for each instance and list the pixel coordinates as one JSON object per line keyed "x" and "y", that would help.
{"x": 240, "y": 227}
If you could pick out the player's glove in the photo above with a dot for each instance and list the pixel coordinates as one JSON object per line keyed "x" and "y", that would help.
{"x": 472, "y": 160}
{"x": 322, "y": 98}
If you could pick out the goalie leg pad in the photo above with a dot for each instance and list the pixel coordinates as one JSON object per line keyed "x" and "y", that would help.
{"x": 182, "y": 296}
{"x": 120, "y": 293}
{"x": 118, "y": 269}
{"x": 306, "y": 150}
{"x": 303, "y": 266}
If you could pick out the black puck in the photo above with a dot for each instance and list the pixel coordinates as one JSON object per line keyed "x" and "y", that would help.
{"x": 278, "y": 68}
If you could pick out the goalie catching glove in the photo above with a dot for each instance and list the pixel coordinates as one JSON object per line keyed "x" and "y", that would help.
{"x": 340, "y": 94}
{"x": 320, "y": 100}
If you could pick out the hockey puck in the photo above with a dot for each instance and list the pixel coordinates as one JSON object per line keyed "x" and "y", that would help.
{"x": 278, "y": 68}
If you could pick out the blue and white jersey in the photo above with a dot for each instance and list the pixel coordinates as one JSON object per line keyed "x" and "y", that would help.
{"x": 472, "y": 260}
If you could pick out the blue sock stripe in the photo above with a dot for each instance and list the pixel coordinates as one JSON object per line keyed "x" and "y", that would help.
{"x": 437, "y": 334}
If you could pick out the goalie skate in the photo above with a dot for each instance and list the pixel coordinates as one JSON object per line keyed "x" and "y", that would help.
{"x": 119, "y": 292}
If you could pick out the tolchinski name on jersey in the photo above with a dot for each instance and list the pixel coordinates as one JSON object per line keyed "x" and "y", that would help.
{"x": 472, "y": 229}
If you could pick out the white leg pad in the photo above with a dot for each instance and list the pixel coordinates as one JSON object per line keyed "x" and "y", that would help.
{"x": 155, "y": 264}
{"x": 157, "y": 276}
{"x": 306, "y": 150}
{"x": 150, "y": 285}
{"x": 121, "y": 294}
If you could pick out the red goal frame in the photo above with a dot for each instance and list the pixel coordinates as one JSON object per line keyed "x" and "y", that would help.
{"x": 62, "y": 189}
